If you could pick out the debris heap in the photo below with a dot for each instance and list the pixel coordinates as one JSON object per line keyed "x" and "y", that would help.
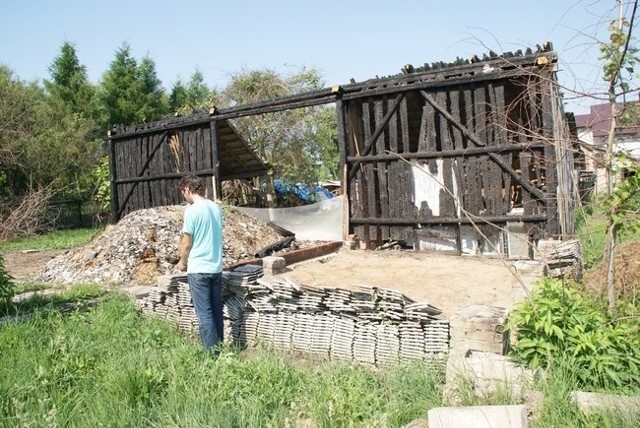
{"x": 145, "y": 244}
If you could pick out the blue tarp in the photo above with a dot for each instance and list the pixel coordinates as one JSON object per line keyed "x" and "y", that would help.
{"x": 303, "y": 192}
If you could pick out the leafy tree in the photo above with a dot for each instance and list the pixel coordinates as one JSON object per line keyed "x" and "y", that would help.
{"x": 64, "y": 146}
{"x": 300, "y": 144}
{"x": 620, "y": 58}
{"x": 18, "y": 129}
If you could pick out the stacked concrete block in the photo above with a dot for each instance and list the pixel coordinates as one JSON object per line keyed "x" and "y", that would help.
{"x": 527, "y": 273}
{"x": 272, "y": 265}
{"x": 478, "y": 417}
{"x": 479, "y": 328}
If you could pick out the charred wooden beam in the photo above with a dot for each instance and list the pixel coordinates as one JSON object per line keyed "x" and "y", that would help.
{"x": 203, "y": 172}
{"x": 389, "y": 88}
{"x": 113, "y": 175}
{"x": 474, "y": 151}
{"x": 450, "y": 220}
{"x": 509, "y": 68}
{"x": 141, "y": 172}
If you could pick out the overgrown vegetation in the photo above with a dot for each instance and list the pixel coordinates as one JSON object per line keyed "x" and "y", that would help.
{"x": 559, "y": 325}
{"x": 7, "y": 289}
{"x": 592, "y": 223}
{"x": 108, "y": 365}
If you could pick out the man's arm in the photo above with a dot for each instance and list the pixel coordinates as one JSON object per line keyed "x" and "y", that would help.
{"x": 185, "y": 248}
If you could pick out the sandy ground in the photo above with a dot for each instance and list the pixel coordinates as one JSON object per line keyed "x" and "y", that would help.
{"x": 445, "y": 281}
{"x": 448, "y": 282}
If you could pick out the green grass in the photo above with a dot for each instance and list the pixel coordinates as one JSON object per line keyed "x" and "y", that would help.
{"x": 107, "y": 365}
{"x": 63, "y": 298}
{"x": 55, "y": 240}
{"x": 110, "y": 366}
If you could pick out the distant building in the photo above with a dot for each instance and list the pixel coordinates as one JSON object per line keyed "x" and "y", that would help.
{"x": 593, "y": 131}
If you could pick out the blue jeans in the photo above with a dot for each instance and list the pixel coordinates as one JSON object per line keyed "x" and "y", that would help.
{"x": 206, "y": 294}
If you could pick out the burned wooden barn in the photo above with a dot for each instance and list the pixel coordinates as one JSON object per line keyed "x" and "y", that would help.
{"x": 470, "y": 156}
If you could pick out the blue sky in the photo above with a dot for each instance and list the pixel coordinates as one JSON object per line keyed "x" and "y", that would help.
{"x": 342, "y": 39}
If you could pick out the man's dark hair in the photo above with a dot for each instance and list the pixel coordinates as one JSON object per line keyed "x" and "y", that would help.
{"x": 194, "y": 183}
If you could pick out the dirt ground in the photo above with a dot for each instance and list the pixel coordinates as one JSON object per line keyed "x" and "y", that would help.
{"x": 445, "y": 281}
{"x": 25, "y": 265}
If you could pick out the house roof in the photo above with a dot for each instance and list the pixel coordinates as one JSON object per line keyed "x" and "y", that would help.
{"x": 237, "y": 159}
{"x": 598, "y": 121}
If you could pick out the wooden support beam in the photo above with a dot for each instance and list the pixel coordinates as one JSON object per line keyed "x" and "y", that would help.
{"x": 215, "y": 162}
{"x": 450, "y": 220}
{"x": 474, "y": 151}
{"x": 296, "y": 256}
{"x": 113, "y": 175}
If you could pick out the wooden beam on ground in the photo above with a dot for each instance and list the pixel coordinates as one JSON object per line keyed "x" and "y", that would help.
{"x": 296, "y": 256}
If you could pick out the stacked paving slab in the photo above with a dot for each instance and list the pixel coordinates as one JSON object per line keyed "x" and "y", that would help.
{"x": 369, "y": 325}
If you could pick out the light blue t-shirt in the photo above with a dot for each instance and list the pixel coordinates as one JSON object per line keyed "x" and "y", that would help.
{"x": 203, "y": 221}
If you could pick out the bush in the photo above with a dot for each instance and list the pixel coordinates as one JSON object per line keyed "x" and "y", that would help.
{"x": 6, "y": 285}
{"x": 556, "y": 324}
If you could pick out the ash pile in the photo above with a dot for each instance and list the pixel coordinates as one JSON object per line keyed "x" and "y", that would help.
{"x": 145, "y": 244}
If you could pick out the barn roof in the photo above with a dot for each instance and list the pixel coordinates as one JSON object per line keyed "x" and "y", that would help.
{"x": 237, "y": 159}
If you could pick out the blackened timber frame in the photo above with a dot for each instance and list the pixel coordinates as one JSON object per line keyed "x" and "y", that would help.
{"x": 483, "y": 131}
{"x": 493, "y": 147}
{"x": 146, "y": 164}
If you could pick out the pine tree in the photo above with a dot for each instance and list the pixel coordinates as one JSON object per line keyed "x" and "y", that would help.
{"x": 70, "y": 84}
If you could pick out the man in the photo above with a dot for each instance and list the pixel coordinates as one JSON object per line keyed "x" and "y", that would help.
{"x": 201, "y": 257}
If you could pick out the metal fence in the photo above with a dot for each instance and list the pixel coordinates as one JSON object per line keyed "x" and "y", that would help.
{"x": 71, "y": 213}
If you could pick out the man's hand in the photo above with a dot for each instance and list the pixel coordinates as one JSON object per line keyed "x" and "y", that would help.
{"x": 182, "y": 266}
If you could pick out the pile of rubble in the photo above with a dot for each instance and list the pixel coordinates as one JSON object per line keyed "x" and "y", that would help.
{"x": 145, "y": 245}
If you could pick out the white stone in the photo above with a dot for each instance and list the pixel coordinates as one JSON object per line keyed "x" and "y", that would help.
{"x": 478, "y": 417}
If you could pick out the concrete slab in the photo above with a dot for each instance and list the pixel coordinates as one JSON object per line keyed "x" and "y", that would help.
{"x": 479, "y": 417}
{"x": 592, "y": 402}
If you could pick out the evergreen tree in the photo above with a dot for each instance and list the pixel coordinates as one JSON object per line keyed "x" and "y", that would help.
{"x": 120, "y": 94}
{"x": 178, "y": 98}
{"x": 198, "y": 93}
{"x": 156, "y": 104}
{"x": 132, "y": 93}
{"x": 69, "y": 82}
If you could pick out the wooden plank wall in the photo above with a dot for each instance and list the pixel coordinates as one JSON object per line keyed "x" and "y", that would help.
{"x": 474, "y": 116}
{"x": 156, "y": 160}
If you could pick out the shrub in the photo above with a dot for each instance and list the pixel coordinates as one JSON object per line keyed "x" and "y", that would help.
{"x": 556, "y": 324}
{"x": 6, "y": 285}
